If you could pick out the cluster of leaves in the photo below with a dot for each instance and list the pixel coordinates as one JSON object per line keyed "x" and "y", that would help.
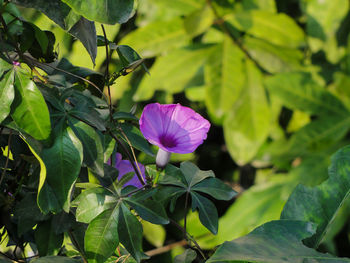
{"x": 58, "y": 195}
{"x": 273, "y": 74}
{"x": 249, "y": 62}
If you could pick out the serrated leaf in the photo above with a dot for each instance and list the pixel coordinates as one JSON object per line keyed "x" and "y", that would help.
{"x": 224, "y": 78}
{"x": 7, "y": 94}
{"x": 101, "y": 237}
{"x": 215, "y": 188}
{"x": 93, "y": 202}
{"x": 208, "y": 214}
{"x": 29, "y": 110}
{"x": 157, "y": 37}
{"x": 173, "y": 71}
{"x": 248, "y": 123}
{"x": 274, "y": 242}
{"x": 63, "y": 162}
{"x": 278, "y": 29}
{"x": 321, "y": 204}
{"x": 104, "y": 11}
{"x": 92, "y": 145}
{"x": 299, "y": 91}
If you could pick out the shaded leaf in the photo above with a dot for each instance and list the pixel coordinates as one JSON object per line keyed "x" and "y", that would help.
{"x": 193, "y": 174}
{"x": 215, "y": 188}
{"x": 274, "y": 242}
{"x": 55, "y": 259}
{"x": 208, "y": 214}
{"x": 186, "y": 257}
{"x": 47, "y": 241}
{"x": 63, "y": 162}
{"x": 321, "y": 204}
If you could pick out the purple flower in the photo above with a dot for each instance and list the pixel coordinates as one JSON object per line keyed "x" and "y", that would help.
{"x": 124, "y": 167}
{"x": 16, "y": 63}
{"x": 173, "y": 128}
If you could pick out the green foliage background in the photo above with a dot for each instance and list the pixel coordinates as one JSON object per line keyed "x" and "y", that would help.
{"x": 271, "y": 76}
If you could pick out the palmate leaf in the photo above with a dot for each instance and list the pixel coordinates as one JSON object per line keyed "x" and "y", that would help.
{"x": 63, "y": 162}
{"x": 274, "y": 242}
{"x": 29, "y": 110}
{"x": 322, "y": 203}
{"x": 104, "y": 11}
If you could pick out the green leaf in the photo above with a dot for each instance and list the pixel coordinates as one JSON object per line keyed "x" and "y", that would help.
{"x": 278, "y": 29}
{"x": 136, "y": 138}
{"x": 215, "y": 188}
{"x": 173, "y": 71}
{"x": 29, "y": 110}
{"x": 268, "y": 5}
{"x": 208, "y": 214}
{"x": 92, "y": 145}
{"x": 103, "y": 11}
{"x": 274, "y": 242}
{"x": 63, "y": 162}
{"x": 93, "y": 202}
{"x": 55, "y": 259}
{"x": 101, "y": 237}
{"x": 321, "y": 204}
{"x": 199, "y": 21}
{"x": 299, "y": 91}
{"x": 154, "y": 234}
{"x": 149, "y": 210}
{"x": 85, "y": 31}
{"x": 257, "y": 205}
{"x": 323, "y": 20}
{"x": 157, "y": 37}
{"x": 4, "y": 66}
{"x": 273, "y": 58}
{"x": 7, "y": 94}
{"x": 248, "y": 123}
{"x": 193, "y": 174}
{"x": 186, "y": 257}
{"x": 130, "y": 232}
{"x": 224, "y": 78}
{"x": 62, "y": 15}
{"x": 125, "y": 116}
{"x": 47, "y": 241}
{"x": 127, "y": 56}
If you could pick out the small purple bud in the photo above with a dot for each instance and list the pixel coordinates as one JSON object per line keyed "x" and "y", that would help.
{"x": 16, "y": 63}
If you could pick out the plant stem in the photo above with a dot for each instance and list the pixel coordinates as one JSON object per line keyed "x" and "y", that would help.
{"x": 185, "y": 216}
{"x": 7, "y": 157}
{"x": 166, "y": 248}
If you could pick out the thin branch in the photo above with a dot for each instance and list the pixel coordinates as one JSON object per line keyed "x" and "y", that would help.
{"x": 7, "y": 157}
{"x": 185, "y": 216}
{"x": 166, "y": 248}
{"x": 76, "y": 244}
{"x": 189, "y": 237}
{"x": 121, "y": 143}
{"x": 107, "y": 75}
